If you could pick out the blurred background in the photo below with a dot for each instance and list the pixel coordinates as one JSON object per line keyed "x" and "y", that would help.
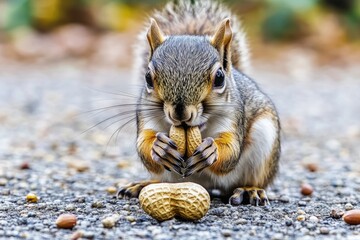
{"x": 102, "y": 32}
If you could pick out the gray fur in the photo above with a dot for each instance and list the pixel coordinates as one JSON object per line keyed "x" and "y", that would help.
{"x": 182, "y": 65}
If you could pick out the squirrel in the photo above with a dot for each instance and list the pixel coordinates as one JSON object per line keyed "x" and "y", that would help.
{"x": 192, "y": 61}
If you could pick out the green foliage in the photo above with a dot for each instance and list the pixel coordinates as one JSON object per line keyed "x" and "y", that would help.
{"x": 281, "y": 19}
{"x": 17, "y": 14}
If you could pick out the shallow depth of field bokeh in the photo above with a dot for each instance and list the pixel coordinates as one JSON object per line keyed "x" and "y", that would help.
{"x": 102, "y": 32}
{"x": 66, "y": 136}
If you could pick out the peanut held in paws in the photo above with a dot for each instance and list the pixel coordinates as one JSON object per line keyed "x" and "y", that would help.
{"x": 164, "y": 201}
{"x": 186, "y": 140}
{"x": 178, "y": 135}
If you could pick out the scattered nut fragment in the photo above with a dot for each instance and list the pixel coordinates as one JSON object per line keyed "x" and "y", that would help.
{"x": 66, "y": 221}
{"x": 79, "y": 165}
{"x": 123, "y": 164}
{"x": 72, "y": 148}
{"x": 352, "y": 217}
{"x": 24, "y": 165}
{"x": 111, "y": 190}
{"x": 110, "y": 222}
{"x": 312, "y": 167}
{"x": 186, "y": 141}
{"x": 301, "y": 218}
{"x": 306, "y": 189}
{"x": 336, "y": 213}
{"x": 163, "y": 201}
{"x": 32, "y": 198}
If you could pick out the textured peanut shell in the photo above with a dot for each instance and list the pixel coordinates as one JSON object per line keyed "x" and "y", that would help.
{"x": 164, "y": 201}
{"x": 178, "y": 135}
{"x": 186, "y": 141}
{"x": 193, "y": 140}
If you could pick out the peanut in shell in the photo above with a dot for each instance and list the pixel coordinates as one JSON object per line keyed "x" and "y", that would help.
{"x": 186, "y": 140}
{"x": 193, "y": 140}
{"x": 178, "y": 135}
{"x": 164, "y": 201}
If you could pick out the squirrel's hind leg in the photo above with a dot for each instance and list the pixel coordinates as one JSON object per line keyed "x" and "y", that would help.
{"x": 253, "y": 195}
{"x": 132, "y": 190}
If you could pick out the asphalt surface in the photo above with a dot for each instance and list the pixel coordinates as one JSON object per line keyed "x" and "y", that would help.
{"x": 49, "y": 147}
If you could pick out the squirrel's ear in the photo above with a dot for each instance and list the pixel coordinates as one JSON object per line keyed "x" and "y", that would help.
{"x": 221, "y": 41}
{"x": 154, "y": 35}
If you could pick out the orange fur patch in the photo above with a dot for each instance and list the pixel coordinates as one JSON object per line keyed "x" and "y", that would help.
{"x": 227, "y": 146}
{"x": 145, "y": 143}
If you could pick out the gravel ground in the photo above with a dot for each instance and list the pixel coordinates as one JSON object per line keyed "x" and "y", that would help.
{"x": 43, "y": 150}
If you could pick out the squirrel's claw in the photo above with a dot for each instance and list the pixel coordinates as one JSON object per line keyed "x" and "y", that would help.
{"x": 164, "y": 152}
{"x": 256, "y": 196}
{"x": 132, "y": 190}
{"x": 162, "y": 137}
{"x": 204, "y": 156}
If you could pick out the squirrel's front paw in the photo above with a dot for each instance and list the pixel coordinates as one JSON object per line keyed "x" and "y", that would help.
{"x": 204, "y": 156}
{"x": 164, "y": 151}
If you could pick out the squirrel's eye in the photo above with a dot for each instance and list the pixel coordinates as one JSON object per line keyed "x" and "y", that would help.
{"x": 149, "y": 80}
{"x": 219, "y": 80}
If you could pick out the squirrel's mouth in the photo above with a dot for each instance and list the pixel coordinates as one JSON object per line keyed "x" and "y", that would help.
{"x": 201, "y": 126}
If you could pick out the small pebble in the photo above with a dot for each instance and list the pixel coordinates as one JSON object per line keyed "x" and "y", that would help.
{"x": 301, "y": 218}
{"x": 110, "y": 222}
{"x": 5, "y": 192}
{"x": 288, "y": 222}
{"x": 277, "y": 236}
{"x": 3, "y": 182}
{"x": 313, "y": 219}
{"x": 324, "y": 230}
{"x": 241, "y": 221}
{"x": 130, "y": 218}
{"x": 284, "y": 199}
{"x": 311, "y": 226}
{"x": 302, "y": 203}
{"x": 349, "y": 206}
{"x": 226, "y": 233}
{"x": 32, "y": 198}
{"x": 306, "y": 189}
{"x": 300, "y": 212}
{"x": 88, "y": 235}
{"x": 70, "y": 207}
{"x": 98, "y": 204}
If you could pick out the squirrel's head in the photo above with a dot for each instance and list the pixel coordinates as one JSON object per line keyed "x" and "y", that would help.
{"x": 188, "y": 73}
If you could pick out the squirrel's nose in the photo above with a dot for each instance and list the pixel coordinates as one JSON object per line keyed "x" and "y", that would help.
{"x": 181, "y": 113}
